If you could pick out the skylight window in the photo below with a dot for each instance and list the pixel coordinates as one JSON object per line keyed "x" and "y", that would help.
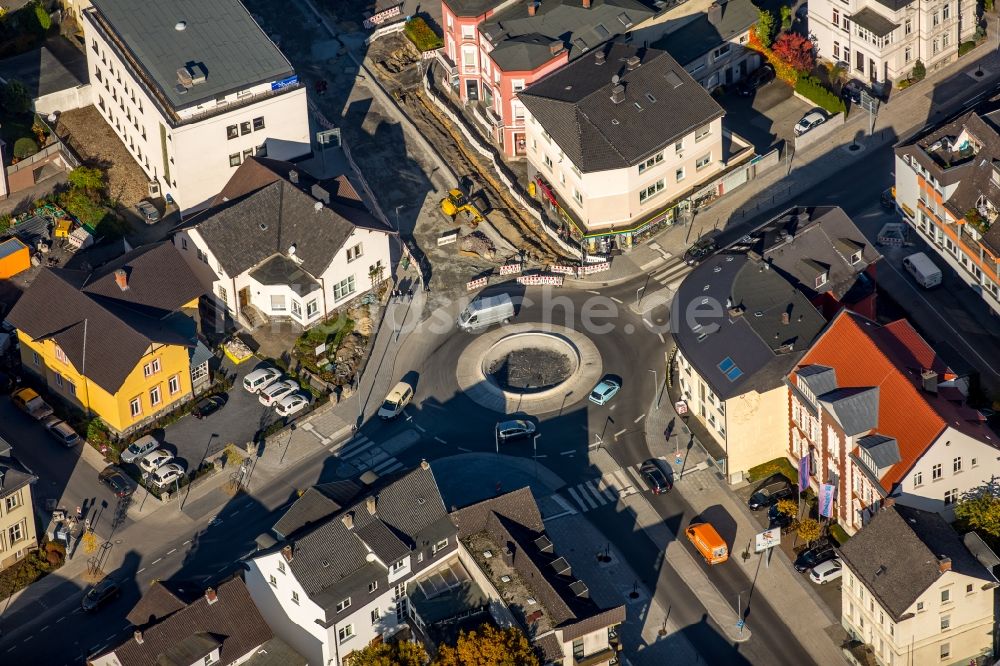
{"x": 625, "y": 20}
{"x": 730, "y": 369}
{"x": 602, "y": 31}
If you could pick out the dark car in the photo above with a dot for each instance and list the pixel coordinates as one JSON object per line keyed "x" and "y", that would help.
{"x": 508, "y": 431}
{"x": 821, "y": 552}
{"x": 777, "y": 519}
{"x": 655, "y": 478}
{"x": 209, "y": 405}
{"x": 851, "y": 91}
{"x": 703, "y": 248}
{"x": 116, "y": 480}
{"x": 100, "y": 594}
{"x": 756, "y": 79}
{"x": 770, "y": 494}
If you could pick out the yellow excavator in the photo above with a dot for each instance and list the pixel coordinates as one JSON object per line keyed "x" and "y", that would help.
{"x": 456, "y": 202}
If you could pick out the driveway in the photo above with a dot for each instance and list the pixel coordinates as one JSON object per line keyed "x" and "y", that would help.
{"x": 767, "y": 118}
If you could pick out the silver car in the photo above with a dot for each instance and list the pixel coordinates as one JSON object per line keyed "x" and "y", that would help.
{"x": 148, "y": 212}
{"x": 139, "y": 448}
{"x": 809, "y": 121}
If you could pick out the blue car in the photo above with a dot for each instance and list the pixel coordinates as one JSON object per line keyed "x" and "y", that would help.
{"x": 604, "y": 391}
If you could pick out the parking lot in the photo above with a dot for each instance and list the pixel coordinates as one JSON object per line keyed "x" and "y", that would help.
{"x": 766, "y": 119}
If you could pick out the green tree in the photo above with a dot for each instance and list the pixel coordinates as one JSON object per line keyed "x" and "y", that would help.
{"x": 786, "y": 17}
{"x": 44, "y": 20}
{"x": 789, "y": 507}
{"x": 15, "y": 97}
{"x": 809, "y": 529}
{"x": 399, "y": 653}
{"x": 81, "y": 206}
{"x": 89, "y": 179}
{"x": 765, "y": 28}
{"x": 25, "y": 147}
{"x": 488, "y": 646}
{"x": 919, "y": 71}
{"x": 979, "y": 510}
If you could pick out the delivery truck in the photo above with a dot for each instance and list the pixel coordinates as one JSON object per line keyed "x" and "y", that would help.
{"x": 486, "y": 310}
{"x": 923, "y": 270}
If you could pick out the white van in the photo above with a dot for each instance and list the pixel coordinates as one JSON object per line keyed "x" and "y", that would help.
{"x": 486, "y": 310}
{"x": 923, "y": 270}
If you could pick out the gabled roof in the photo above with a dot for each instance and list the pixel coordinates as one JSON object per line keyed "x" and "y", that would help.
{"x": 315, "y": 504}
{"x": 261, "y": 213}
{"x": 855, "y": 409}
{"x": 897, "y": 556}
{"x": 13, "y": 475}
{"x": 660, "y": 103}
{"x": 705, "y": 33}
{"x": 103, "y": 330}
{"x": 890, "y": 358}
{"x": 188, "y": 634}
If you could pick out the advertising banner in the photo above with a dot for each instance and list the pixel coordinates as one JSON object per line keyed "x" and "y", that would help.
{"x": 827, "y": 493}
{"x": 803, "y": 473}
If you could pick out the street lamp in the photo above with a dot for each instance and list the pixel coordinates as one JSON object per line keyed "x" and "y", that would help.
{"x": 534, "y": 449}
{"x": 656, "y": 385}
{"x": 397, "y": 215}
{"x": 637, "y": 292}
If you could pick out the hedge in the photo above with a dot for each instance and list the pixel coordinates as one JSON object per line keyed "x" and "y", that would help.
{"x": 421, "y": 34}
{"x": 768, "y": 469}
{"x": 965, "y": 47}
{"x": 813, "y": 89}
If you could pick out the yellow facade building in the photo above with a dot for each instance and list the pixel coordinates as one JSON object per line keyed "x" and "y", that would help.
{"x": 119, "y": 342}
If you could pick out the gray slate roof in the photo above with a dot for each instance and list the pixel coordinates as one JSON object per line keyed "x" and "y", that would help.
{"x": 220, "y": 34}
{"x": 702, "y": 35}
{"x": 119, "y": 325}
{"x": 56, "y": 65}
{"x": 565, "y": 21}
{"x": 855, "y": 409}
{"x": 871, "y": 20}
{"x": 754, "y": 342}
{"x": 573, "y": 104}
{"x": 13, "y": 476}
{"x": 316, "y": 503}
{"x": 472, "y": 7}
{"x": 883, "y": 450}
{"x": 819, "y": 378}
{"x": 896, "y": 556}
{"x": 522, "y": 53}
{"x": 267, "y": 219}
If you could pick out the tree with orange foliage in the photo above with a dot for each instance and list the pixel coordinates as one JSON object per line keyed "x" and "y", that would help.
{"x": 795, "y": 50}
{"x": 488, "y": 646}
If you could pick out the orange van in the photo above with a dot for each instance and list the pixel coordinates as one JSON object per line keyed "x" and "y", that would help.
{"x": 708, "y": 542}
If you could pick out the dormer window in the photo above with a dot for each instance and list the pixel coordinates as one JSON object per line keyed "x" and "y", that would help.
{"x": 856, "y": 258}
{"x": 397, "y": 566}
{"x": 821, "y": 279}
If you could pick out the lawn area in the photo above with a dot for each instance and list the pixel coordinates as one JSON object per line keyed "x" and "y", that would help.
{"x": 13, "y": 127}
{"x": 771, "y": 467}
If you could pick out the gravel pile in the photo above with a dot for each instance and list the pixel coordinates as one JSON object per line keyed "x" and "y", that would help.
{"x": 533, "y": 369}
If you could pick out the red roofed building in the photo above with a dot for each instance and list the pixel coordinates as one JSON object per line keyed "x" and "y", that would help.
{"x": 879, "y": 414}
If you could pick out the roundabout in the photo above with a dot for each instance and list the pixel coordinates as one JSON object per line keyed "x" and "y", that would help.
{"x": 530, "y": 367}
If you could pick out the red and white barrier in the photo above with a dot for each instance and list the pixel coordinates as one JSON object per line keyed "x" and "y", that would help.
{"x": 595, "y": 259}
{"x": 595, "y": 268}
{"x": 555, "y": 280}
{"x": 511, "y": 269}
{"x": 476, "y": 284}
{"x": 382, "y": 17}
{"x": 564, "y": 270}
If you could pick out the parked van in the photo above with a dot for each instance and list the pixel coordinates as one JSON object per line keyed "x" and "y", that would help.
{"x": 924, "y": 271}
{"x": 486, "y": 310}
{"x": 397, "y": 400}
{"x": 708, "y": 542}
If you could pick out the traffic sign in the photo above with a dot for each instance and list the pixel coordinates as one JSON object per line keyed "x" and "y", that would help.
{"x": 768, "y": 539}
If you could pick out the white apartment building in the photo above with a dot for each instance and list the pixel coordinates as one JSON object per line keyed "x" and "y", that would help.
{"x": 915, "y": 592}
{"x": 618, "y": 136}
{"x": 882, "y": 39}
{"x": 192, "y": 90}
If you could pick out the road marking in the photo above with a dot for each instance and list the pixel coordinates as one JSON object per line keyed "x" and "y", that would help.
{"x": 44, "y": 628}
{"x": 638, "y": 479}
{"x": 28, "y": 638}
{"x": 438, "y": 439}
{"x": 567, "y": 453}
{"x": 609, "y": 488}
{"x": 662, "y": 341}
{"x": 11, "y": 648}
{"x": 596, "y": 492}
{"x": 408, "y": 417}
{"x": 157, "y": 560}
{"x": 95, "y": 648}
{"x": 171, "y": 551}
{"x": 109, "y": 638}
{"x": 592, "y": 291}
{"x": 138, "y": 572}
{"x": 626, "y": 484}
{"x": 186, "y": 542}
{"x": 63, "y": 618}
{"x": 462, "y": 448}
{"x": 577, "y": 498}
{"x": 621, "y": 432}
{"x": 616, "y": 299}
{"x": 419, "y": 427}
{"x": 639, "y": 418}
{"x": 542, "y": 455}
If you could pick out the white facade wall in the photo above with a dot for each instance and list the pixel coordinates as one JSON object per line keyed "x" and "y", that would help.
{"x": 363, "y": 629}
{"x": 191, "y": 162}
{"x": 375, "y": 248}
{"x": 603, "y": 199}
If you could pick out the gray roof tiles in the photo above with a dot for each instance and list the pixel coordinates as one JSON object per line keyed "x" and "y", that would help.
{"x": 13, "y": 476}
{"x": 819, "y": 378}
{"x": 871, "y": 20}
{"x": 316, "y": 503}
{"x": 701, "y": 35}
{"x": 855, "y": 409}
{"x": 883, "y": 450}
{"x": 574, "y": 105}
{"x": 221, "y": 35}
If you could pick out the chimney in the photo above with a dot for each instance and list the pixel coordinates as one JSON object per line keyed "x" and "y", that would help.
{"x": 286, "y": 553}
{"x": 370, "y": 504}
{"x": 632, "y": 63}
{"x": 715, "y": 12}
{"x": 293, "y": 176}
{"x": 785, "y": 318}
{"x": 618, "y": 94}
{"x": 600, "y": 57}
{"x": 930, "y": 380}
{"x": 320, "y": 194}
{"x": 348, "y": 520}
{"x": 121, "y": 279}
{"x": 532, "y": 7}
{"x": 586, "y": 4}
{"x": 944, "y": 564}
{"x": 137, "y": 635}
{"x": 555, "y": 47}
{"x": 424, "y": 465}
{"x": 211, "y": 596}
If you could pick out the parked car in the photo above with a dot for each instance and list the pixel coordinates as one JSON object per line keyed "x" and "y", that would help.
{"x": 292, "y": 404}
{"x": 604, "y": 391}
{"x": 116, "y": 480}
{"x": 759, "y": 78}
{"x": 851, "y": 91}
{"x": 167, "y": 474}
{"x": 397, "y": 400}
{"x": 61, "y": 431}
{"x": 654, "y": 477}
{"x": 809, "y": 121}
{"x": 260, "y": 379}
{"x": 153, "y": 461}
{"x": 100, "y": 594}
{"x": 148, "y": 212}
{"x": 208, "y": 406}
{"x": 770, "y": 493}
{"x": 818, "y": 554}
{"x": 702, "y": 249}
{"x": 821, "y": 574}
{"x": 777, "y": 519}
{"x": 515, "y": 429}
{"x": 277, "y": 391}
{"x": 139, "y": 448}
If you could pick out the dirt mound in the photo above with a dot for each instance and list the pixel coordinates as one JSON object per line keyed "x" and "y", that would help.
{"x": 348, "y": 358}
{"x": 478, "y": 243}
{"x": 531, "y": 369}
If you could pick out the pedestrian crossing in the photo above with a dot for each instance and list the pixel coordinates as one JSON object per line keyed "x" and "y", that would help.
{"x": 365, "y": 455}
{"x": 671, "y": 273}
{"x": 610, "y": 487}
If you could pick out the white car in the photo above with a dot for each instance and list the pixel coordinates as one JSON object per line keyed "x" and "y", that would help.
{"x": 809, "y": 121}
{"x": 827, "y": 571}
{"x": 261, "y": 379}
{"x": 153, "y": 461}
{"x": 276, "y": 391}
{"x": 139, "y": 448}
{"x": 292, "y": 404}
{"x": 61, "y": 431}
{"x": 167, "y": 474}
